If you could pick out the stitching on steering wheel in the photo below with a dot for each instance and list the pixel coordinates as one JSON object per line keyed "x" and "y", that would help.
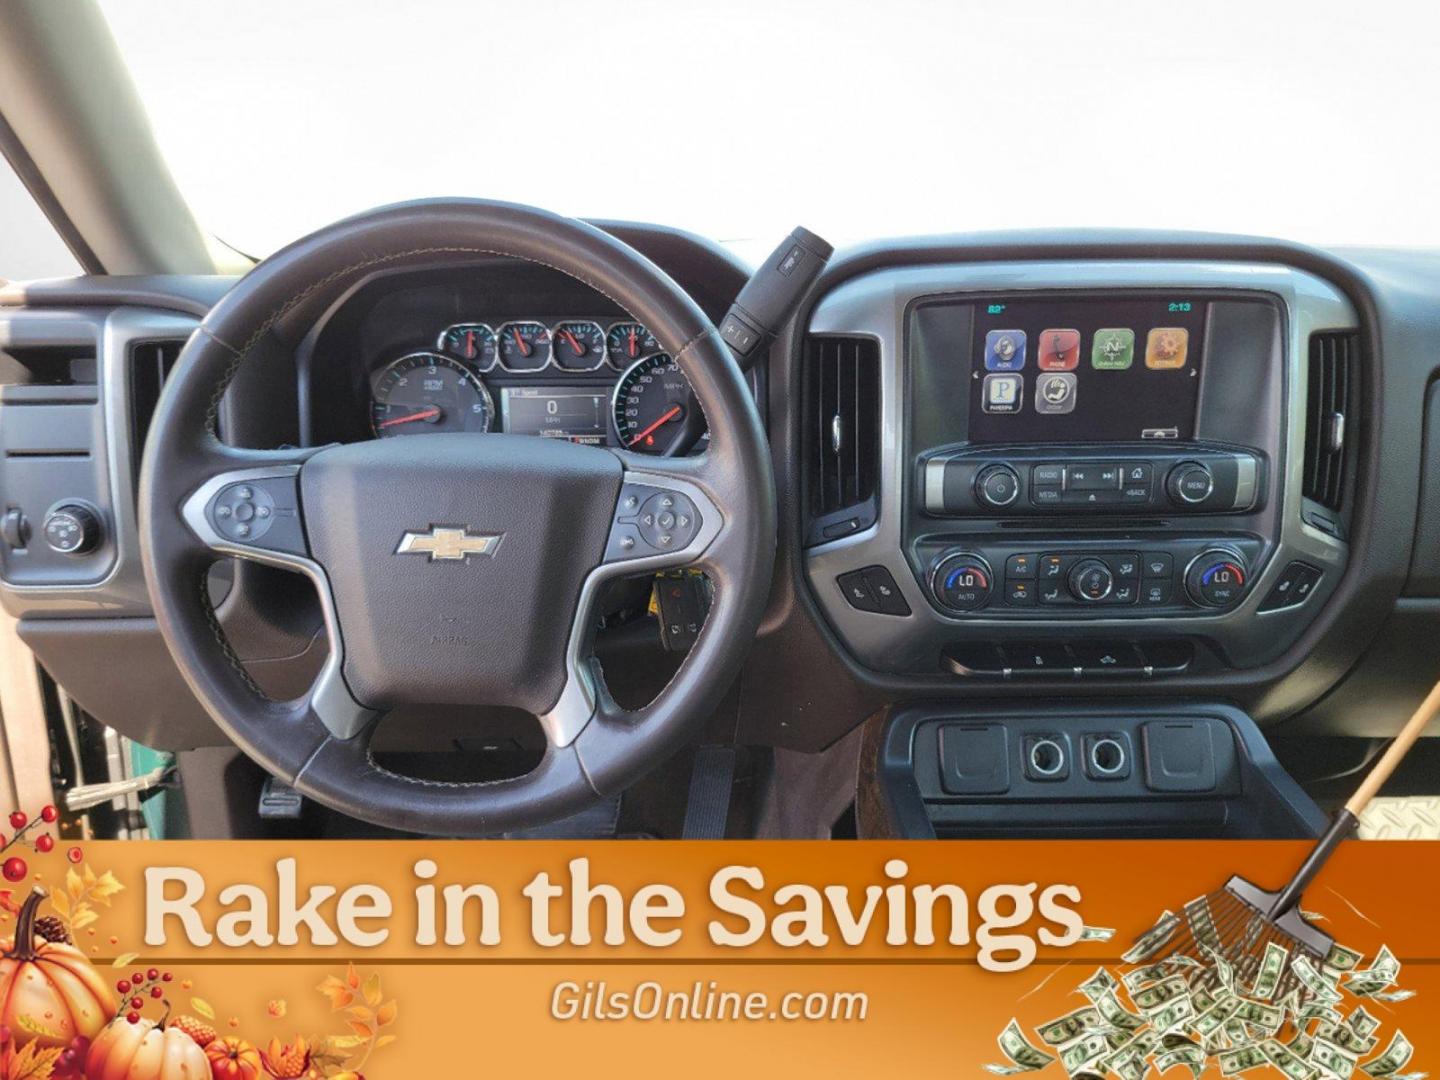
{"x": 225, "y": 647}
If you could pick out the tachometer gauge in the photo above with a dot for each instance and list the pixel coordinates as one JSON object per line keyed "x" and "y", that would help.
{"x": 628, "y": 342}
{"x": 578, "y": 346}
{"x": 425, "y": 392}
{"x": 472, "y": 342}
{"x": 524, "y": 346}
{"x": 651, "y": 402}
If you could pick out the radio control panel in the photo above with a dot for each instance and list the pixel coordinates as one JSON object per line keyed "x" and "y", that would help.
{"x": 1121, "y": 479}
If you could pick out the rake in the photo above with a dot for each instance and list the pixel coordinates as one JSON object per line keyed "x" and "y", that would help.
{"x": 1238, "y": 922}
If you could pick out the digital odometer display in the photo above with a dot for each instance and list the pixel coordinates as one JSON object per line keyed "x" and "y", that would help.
{"x": 577, "y": 413}
{"x": 1085, "y": 369}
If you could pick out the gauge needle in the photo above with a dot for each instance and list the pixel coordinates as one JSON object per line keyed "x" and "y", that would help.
{"x": 423, "y": 414}
{"x": 469, "y": 344}
{"x": 520, "y": 343}
{"x": 670, "y": 414}
{"x": 632, "y": 348}
{"x": 574, "y": 343}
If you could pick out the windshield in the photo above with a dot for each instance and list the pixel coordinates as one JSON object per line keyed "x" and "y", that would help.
{"x": 859, "y": 119}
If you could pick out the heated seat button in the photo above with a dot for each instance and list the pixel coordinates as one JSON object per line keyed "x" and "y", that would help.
{"x": 1294, "y": 587}
{"x": 886, "y": 592}
{"x": 858, "y": 593}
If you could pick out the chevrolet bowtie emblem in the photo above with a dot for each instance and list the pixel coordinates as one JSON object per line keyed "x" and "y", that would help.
{"x": 451, "y": 544}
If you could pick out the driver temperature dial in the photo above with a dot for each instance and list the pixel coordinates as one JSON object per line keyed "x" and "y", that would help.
{"x": 1216, "y": 578}
{"x": 962, "y": 582}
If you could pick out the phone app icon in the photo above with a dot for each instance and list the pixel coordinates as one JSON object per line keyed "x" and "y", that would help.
{"x": 1058, "y": 350}
{"x": 1166, "y": 348}
{"x": 1004, "y": 350}
{"x": 1002, "y": 393}
{"x": 1055, "y": 393}
{"x": 1113, "y": 349}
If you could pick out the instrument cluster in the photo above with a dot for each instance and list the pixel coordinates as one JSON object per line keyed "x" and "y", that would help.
{"x": 585, "y": 380}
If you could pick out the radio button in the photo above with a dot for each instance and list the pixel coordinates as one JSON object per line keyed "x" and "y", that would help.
{"x": 1052, "y": 474}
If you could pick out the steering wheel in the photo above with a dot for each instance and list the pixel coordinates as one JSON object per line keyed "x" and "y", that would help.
{"x": 453, "y": 569}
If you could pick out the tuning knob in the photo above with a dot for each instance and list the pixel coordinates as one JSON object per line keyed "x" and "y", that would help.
{"x": 72, "y": 529}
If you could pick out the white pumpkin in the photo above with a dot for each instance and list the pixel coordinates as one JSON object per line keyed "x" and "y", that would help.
{"x": 145, "y": 1051}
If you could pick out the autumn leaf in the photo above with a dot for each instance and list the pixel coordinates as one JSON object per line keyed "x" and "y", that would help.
{"x": 61, "y": 903}
{"x": 33, "y": 1063}
{"x": 344, "y": 1042}
{"x": 124, "y": 959}
{"x": 105, "y": 888}
{"x": 372, "y": 989}
{"x": 203, "y": 1007}
{"x": 365, "y": 1031}
{"x": 73, "y": 884}
{"x": 386, "y": 1013}
{"x": 352, "y": 977}
{"x": 84, "y": 916}
{"x": 361, "y": 1013}
{"x": 35, "y": 1027}
{"x": 383, "y": 1041}
{"x": 339, "y": 994}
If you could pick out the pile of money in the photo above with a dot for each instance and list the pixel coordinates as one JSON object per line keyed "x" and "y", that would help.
{"x": 1199, "y": 1011}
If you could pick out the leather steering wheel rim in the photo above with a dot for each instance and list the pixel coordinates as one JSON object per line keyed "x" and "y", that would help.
{"x": 320, "y": 742}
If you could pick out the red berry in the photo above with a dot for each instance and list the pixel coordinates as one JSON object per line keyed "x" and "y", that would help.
{"x": 49, "y": 814}
{"x": 45, "y": 844}
{"x": 133, "y": 1017}
{"x": 166, "y": 977}
{"x": 137, "y": 1003}
{"x": 157, "y": 993}
{"x": 138, "y": 978}
{"x": 123, "y": 986}
{"x": 68, "y": 1058}
{"x": 75, "y": 854}
{"x": 18, "y": 819}
{"x": 152, "y": 974}
{"x": 15, "y": 869}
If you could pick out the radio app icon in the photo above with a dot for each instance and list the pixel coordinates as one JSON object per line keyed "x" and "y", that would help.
{"x": 1058, "y": 350}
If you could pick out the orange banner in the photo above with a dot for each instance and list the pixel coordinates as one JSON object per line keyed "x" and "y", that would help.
{"x": 405, "y": 959}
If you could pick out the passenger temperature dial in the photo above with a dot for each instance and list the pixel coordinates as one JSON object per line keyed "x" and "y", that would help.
{"x": 1216, "y": 579}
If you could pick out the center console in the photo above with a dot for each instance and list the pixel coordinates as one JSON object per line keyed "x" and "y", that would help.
{"x": 1087, "y": 470}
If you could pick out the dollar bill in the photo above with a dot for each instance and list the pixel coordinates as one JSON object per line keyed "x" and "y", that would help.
{"x": 1148, "y": 973}
{"x": 1099, "y": 984}
{"x": 1302, "y": 1044}
{"x": 1085, "y": 1051}
{"x": 1069, "y": 1027}
{"x": 1161, "y": 994}
{"x": 1023, "y": 1056}
{"x": 1361, "y": 1022}
{"x": 1223, "y": 971}
{"x": 1272, "y": 966}
{"x": 1154, "y": 939}
{"x": 1342, "y": 959}
{"x": 1266, "y": 1017}
{"x": 1241, "y": 1059}
{"x": 1379, "y": 976}
{"x": 1193, "y": 1057}
{"x": 1396, "y": 1056}
{"x": 1333, "y": 1059}
{"x": 1097, "y": 933}
{"x": 1213, "y": 1019}
{"x": 1116, "y": 1015}
{"x": 1390, "y": 997}
{"x": 1319, "y": 987}
{"x": 1287, "y": 1061}
{"x": 1173, "y": 1015}
{"x": 1345, "y": 1037}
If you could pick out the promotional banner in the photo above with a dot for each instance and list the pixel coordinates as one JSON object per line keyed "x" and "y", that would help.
{"x": 456, "y": 959}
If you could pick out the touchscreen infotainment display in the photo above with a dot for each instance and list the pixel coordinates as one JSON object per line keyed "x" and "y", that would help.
{"x": 1091, "y": 369}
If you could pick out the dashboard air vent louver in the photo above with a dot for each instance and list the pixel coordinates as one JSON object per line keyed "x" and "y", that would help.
{"x": 840, "y": 436}
{"x": 1330, "y": 416}
{"x": 150, "y": 364}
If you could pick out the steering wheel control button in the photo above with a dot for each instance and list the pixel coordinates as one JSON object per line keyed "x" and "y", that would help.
{"x": 72, "y": 529}
{"x": 651, "y": 521}
{"x": 1294, "y": 587}
{"x": 1216, "y": 579}
{"x": 997, "y": 486}
{"x": 1091, "y": 580}
{"x": 1190, "y": 484}
{"x": 236, "y": 512}
{"x": 962, "y": 582}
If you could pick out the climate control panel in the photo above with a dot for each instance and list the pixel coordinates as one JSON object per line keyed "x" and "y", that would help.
{"x": 1071, "y": 577}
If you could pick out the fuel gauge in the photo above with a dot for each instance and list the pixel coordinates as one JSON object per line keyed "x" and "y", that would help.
{"x": 524, "y": 346}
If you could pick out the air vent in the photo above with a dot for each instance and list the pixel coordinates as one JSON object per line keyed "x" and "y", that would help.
{"x": 840, "y": 435}
{"x": 150, "y": 364}
{"x": 1330, "y": 417}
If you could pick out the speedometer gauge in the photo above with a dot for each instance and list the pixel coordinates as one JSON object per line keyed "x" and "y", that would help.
{"x": 652, "y": 400}
{"x": 425, "y": 392}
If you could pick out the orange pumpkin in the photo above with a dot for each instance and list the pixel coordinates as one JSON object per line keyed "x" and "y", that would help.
{"x": 51, "y": 984}
{"x": 233, "y": 1059}
{"x": 145, "y": 1051}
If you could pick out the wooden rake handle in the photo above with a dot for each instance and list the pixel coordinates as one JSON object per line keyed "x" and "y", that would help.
{"x": 1386, "y": 766}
